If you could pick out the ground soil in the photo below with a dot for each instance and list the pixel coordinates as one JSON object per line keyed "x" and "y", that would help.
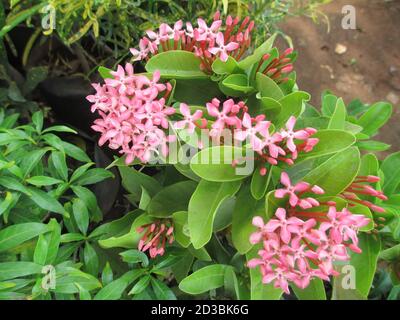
{"x": 369, "y": 69}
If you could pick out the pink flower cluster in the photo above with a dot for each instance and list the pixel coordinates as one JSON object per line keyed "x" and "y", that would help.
{"x": 301, "y": 245}
{"x": 133, "y": 114}
{"x": 271, "y": 148}
{"x": 208, "y": 42}
{"x": 156, "y": 236}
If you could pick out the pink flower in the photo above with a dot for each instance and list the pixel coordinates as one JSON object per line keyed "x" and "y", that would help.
{"x": 145, "y": 47}
{"x": 132, "y": 117}
{"x": 224, "y": 117}
{"x": 290, "y": 135}
{"x": 203, "y": 32}
{"x": 189, "y": 119}
{"x": 271, "y": 142}
{"x": 222, "y": 49}
{"x": 252, "y": 132}
{"x": 291, "y": 190}
{"x": 287, "y": 226}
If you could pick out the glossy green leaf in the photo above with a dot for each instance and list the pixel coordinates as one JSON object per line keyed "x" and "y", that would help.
{"x": 14, "y": 235}
{"x": 171, "y": 199}
{"x": 259, "y": 183}
{"x": 330, "y": 142}
{"x": 337, "y": 173}
{"x": 181, "y": 228}
{"x": 227, "y": 67}
{"x": 292, "y": 105}
{"x": 115, "y": 289}
{"x": 81, "y": 215}
{"x": 391, "y": 169}
{"x": 203, "y": 207}
{"x": 338, "y": 117}
{"x": 215, "y": 164}
{"x": 245, "y": 209}
{"x": 11, "y": 270}
{"x": 314, "y": 291}
{"x": 248, "y": 62}
{"x": 204, "y": 280}
{"x": 236, "y": 85}
{"x": 375, "y": 117}
{"x": 268, "y": 87}
{"x": 176, "y": 64}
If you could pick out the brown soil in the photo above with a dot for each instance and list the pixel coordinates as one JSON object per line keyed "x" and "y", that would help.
{"x": 369, "y": 69}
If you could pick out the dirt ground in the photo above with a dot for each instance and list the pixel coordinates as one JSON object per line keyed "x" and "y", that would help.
{"x": 370, "y": 67}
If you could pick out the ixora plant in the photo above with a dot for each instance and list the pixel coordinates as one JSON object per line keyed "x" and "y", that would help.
{"x": 244, "y": 188}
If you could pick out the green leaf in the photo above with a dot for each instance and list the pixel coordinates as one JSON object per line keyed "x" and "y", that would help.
{"x": 41, "y": 249}
{"x": 40, "y": 181}
{"x": 59, "y": 129}
{"x": 330, "y": 142}
{"x": 107, "y": 274}
{"x": 314, "y": 291}
{"x": 89, "y": 198}
{"x": 338, "y": 118}
{"x": 171, "y": 199}
{"x": 133, "y": 181}
{"x": 337, "y": 173}
{"x": 236, "y": 85}
{"x": 259, "y": 183}
{"x": 375, "y": 117}
{"x": 141, "y": 285}
{"x": 248, "y": 62}
{"x": 362, "y": 268}
{"x": 115, "y": 289}
{"x": 181, "y": 228}
{"x": 67, "y": 277}
{"x": 328, "y": 104}
{"x": 291, "y": 105}
{"x": 135, "y": 256}
{"x": 215, "y": 164}
{"x": 268, "y": 87}
{"x": 91, "y": 260}
{"x": 196, "y": 91}
{"x": 227, "y": 67}
{"x": 53, "y": 239}
{"x": 45, "y": 201}
{"x": 60, "y": 164}
{"x": 203, "y": 206}
{"x": 11, "y": 270}
{"x": 81, "y": 215}
{"x": 391, "y": 169}
{"x": 105, "y": 72}
{"x": 6, "y": 203}
{"x": 161, "y": 290}
{"x": 14, "y": 235}
{"x": 371, "y": 145}
{"x": 176, "y": 64}
{"x": 37, "y": 119}
{"x": 75, "y": 152}
{"x": 204, "y": 280}
{"x": 245, "y": 209}
{"x": 32, "y": 160}
{"x": 93, "y": 176}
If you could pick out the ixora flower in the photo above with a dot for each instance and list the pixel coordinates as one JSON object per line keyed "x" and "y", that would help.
{"x": 155, "y": 236}
{"x": 219, "y": 40}
{"x": 133, "y": 116}
{"x": 300, "y": 245}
